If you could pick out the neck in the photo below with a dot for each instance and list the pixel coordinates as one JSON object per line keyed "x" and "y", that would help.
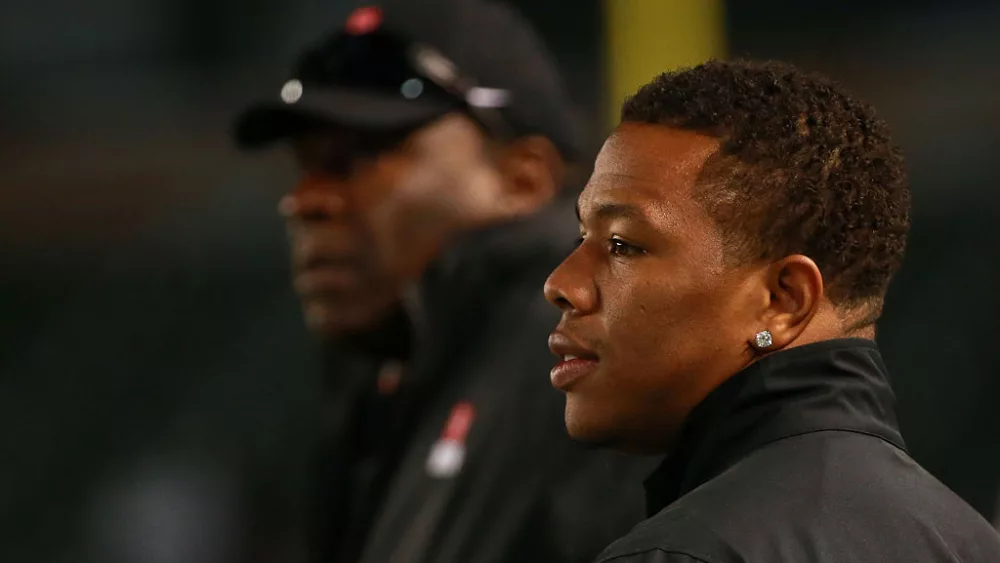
{"x": 831, "y": 323}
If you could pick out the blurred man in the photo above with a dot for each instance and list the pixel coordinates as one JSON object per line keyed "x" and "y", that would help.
{"x": 433, "y": 142}
{"x": 738, "y": 236}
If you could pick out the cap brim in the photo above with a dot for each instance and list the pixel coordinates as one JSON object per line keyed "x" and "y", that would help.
{"x": 266, "y": 122}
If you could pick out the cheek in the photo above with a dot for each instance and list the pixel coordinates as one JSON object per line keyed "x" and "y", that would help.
{"x": 409, "y": 215}
{"x": 671, "y": 325}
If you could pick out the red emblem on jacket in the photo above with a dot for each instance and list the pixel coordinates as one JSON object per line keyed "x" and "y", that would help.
{"x": 448, "y": 453}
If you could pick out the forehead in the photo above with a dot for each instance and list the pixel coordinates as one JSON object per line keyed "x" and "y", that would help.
{"x": 649, "y": 164}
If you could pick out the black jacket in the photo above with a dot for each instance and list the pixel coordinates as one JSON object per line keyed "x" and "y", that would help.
{"x": 468, "y": 460}
{"x": 798, "y": 458}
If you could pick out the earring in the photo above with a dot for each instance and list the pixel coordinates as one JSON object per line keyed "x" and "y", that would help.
{"x": 763, "y": 339}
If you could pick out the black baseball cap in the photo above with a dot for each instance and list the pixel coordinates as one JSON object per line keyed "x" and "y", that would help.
{"x": 397, "y": 66}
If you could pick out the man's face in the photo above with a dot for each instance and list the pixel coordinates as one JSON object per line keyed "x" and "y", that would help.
{"x": 371, "y": 211}
{"x": 650, "y": 309}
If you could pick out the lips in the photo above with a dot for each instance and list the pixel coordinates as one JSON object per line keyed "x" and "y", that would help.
{"x": 324, "y": 279}
{"x": 324, "y": 273}
{"x": 575, "y": 361}
{"x": 325, "y": 261}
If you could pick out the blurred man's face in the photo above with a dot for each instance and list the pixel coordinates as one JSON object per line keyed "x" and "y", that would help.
{"x": 651, "y": 312}
{"x": 371, "y": 211}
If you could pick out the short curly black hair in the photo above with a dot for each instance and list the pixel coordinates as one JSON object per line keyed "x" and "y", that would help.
{"x": 802, "y": 168}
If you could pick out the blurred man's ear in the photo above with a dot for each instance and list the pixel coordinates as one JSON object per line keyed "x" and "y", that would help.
{"x": 533, "y": 172}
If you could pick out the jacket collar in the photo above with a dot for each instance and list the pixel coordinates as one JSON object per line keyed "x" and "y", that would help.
{"x": 832, "y": 385}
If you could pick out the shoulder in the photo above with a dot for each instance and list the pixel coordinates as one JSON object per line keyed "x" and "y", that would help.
{"x": 672, "y": 536}
{"x": 858, "y": 496}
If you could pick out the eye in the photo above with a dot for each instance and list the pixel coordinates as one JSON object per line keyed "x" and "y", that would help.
{"x": 618, "y": 247}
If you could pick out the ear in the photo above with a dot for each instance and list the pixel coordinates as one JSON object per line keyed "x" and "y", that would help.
{"x": 532, "y": 171}
{"x": 795, "y": 285}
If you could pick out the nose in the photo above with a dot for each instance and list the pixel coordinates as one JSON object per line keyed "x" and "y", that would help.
{"x": 571, "y": 285}
{"x": 317, "y": 197}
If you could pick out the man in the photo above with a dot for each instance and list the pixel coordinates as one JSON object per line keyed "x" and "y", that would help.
{"x": 433, "y": 141}
{"x": 738, "y": 235}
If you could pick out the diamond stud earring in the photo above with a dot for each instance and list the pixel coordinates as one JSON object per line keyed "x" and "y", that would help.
{"x": 763, "y": 340}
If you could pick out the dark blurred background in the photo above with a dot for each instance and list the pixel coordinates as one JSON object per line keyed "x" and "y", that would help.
{"x": 153, "y": 365}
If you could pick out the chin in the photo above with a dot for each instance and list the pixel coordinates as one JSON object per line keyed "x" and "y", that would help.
{"x": 603, "y": 428}
{"x": 321, "y": 323}
{"x": 588, "y": 429}
{"x": 330, "y": 322}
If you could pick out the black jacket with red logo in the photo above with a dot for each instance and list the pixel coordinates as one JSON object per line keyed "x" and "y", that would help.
{"x": 799, "y": 459}
{"x": 452, "y": 447}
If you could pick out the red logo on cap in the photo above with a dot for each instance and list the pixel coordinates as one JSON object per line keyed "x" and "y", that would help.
{"x": 363, "y": 20}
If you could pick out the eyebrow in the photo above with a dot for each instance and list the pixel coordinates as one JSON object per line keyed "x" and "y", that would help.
{"x": 607, "y": 211}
